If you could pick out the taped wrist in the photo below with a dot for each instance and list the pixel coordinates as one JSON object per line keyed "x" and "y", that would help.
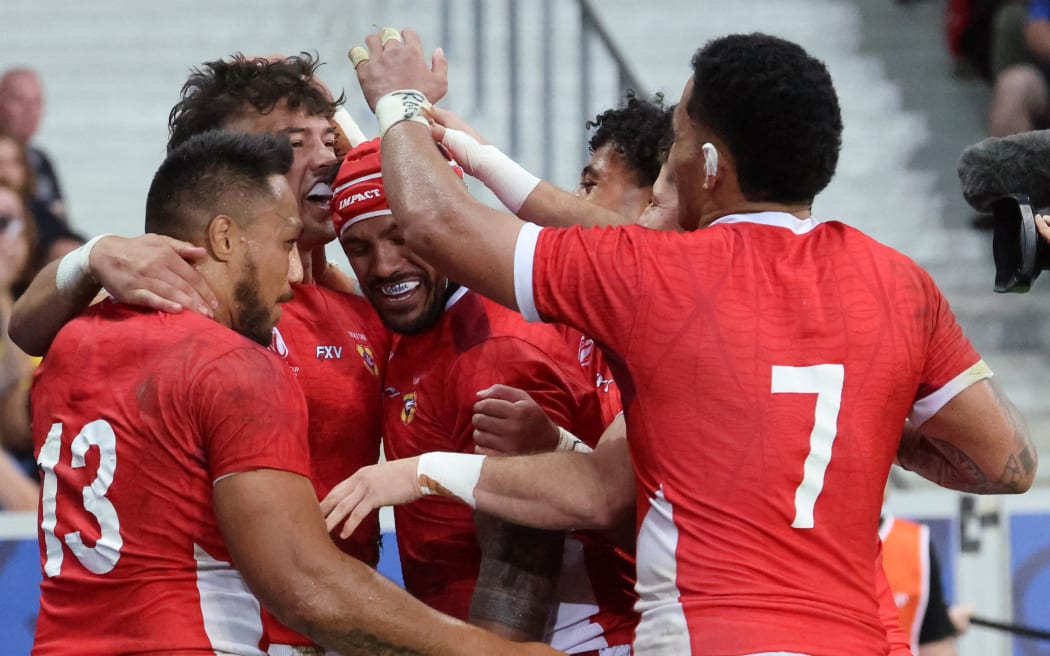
{"x": 401, "y": 105}
{"x": 73, "y": 272}
{"x": 511, "y": 183}
{"x": 569, "y": 442}
{"x": 450, "y": 474}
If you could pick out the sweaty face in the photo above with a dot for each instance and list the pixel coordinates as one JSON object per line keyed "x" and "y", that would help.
{"x": 21, "y": 105}
{"x": 270, "y": 263}
{"x": 662, "y": 211}
{"x": 408, "y": 293}
{"x": 313, "y": 141}
{"x": 608, "y": 181}
{"x": 686, "y": 163}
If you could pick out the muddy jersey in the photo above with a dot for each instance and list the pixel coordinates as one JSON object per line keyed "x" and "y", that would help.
{"x": 136, "y": 414}
{"x": 766, "y": 366}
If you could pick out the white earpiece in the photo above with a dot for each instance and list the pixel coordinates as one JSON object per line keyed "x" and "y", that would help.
{"x": 710, "y": 159}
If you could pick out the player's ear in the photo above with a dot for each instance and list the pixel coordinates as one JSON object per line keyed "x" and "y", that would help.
{"x": 221, "y": 237}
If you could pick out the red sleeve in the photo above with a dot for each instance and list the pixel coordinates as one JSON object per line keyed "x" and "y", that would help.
{"x": 949, "y": 352}
{"x": 590, "y": 279}
{"x": 516, "y": 363}
{"x": 251, "y": 413}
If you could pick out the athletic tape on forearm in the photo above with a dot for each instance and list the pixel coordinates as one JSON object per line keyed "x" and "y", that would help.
{"x": 511, "y": 183}
{"x": 569, "y": 442}
{"x": 450, "y": 475}
{"x": 72, "y": 269}
{"x": 401, "y": 105}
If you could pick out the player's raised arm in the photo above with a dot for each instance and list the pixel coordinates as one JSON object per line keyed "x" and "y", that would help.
{"x": 977, "y": 442}
{"x": 522, "y": 193}
{"x": 150, "y": 270}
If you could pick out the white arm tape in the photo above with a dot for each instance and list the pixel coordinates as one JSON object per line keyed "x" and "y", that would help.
{"x": 450, "y": 475}
{"x": 73, "y": 267}
{"x": 511, "y": 183}
{"x": 569, "y": 442}
{"x": 401, "y": 105}
{"x": 928, "y": 406}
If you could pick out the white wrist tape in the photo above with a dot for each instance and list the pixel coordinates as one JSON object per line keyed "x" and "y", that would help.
{"x": 72, "y": 269}
{"x": 569, "y": 442}
{"x": 401, "y": 105}
{"x": 450, "y": 475}
{"x": 511, "y": 183}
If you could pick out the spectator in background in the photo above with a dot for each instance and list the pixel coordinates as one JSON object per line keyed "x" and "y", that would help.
{"x": 21, "y": 108}
{"x": 1020, "y": 62}
{"x": 54, "y": 238}
{"x": 16, "y": 368}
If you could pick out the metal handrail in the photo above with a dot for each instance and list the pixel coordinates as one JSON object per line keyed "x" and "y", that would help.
{"x": 591, "y": 30}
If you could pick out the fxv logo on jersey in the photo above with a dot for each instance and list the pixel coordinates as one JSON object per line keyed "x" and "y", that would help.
{"x": 329, "y": 352}
{"x": 408, "y": 408}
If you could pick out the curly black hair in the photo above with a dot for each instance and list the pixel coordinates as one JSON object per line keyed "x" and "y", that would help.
{"x": 220, "y": 90}
{"x": 775, "y": 108}
{"x": 635, "y": 129}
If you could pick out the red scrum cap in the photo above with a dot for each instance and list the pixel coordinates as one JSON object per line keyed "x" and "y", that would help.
{"x": 357, "y": 193}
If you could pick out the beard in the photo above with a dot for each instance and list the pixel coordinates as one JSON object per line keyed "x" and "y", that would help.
{"x": 412, "y": 324}
{"x": 254, "y": 316}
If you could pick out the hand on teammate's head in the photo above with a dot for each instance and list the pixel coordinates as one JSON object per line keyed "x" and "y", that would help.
{"x": 401, "y": 65}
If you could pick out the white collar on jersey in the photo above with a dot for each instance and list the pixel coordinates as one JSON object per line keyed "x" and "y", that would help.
{"x": 778, "y": 219}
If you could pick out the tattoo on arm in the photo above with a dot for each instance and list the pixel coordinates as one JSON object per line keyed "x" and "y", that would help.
{"x": 518, "y": 577}
{"x": 949, "y": 466}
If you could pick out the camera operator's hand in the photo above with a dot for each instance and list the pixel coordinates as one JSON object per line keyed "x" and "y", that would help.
{"x": 1042, "y": 224}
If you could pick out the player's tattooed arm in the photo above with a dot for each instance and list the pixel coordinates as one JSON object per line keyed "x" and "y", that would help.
{"x": 966, "y": 467}
{"x": 517, "y": 579}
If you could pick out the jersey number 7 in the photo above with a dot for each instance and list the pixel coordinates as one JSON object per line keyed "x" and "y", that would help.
{"x": 824, "y": 380}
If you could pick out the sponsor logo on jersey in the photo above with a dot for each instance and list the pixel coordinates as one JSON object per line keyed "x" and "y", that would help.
{"x": 603, "y": 383}
{"x": 586, "y": 350}
{"x": 392, "y": 392}
{"x": 358, "y": 197}
{"x": 408, "y": 409}
{"x": 326, "y": 352}
{"x": 369, "y": 359}
{"x": 277, "y": 344}
{"x": 361, "y": 337}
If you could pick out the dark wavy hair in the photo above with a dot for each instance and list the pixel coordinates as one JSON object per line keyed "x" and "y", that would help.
{"x": 775, "y": 108}
{"x": 219, "y": 91}
{"x": 635, "y": 129}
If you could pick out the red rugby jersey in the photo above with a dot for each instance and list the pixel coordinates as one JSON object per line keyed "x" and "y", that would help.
{"x": 768, "y": 367}
{"x": 135, "y": 415}
{"x": 337, "y": 347}
{"x": 432, "y": 383}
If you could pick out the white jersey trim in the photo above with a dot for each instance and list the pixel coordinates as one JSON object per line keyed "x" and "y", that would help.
{"x": 778, "y": 219}
{"x": 662, "y": 628}
{"x": 524, "y": 258}
{"x": 231, "y": 613}
{"x": 928, "y": 406}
